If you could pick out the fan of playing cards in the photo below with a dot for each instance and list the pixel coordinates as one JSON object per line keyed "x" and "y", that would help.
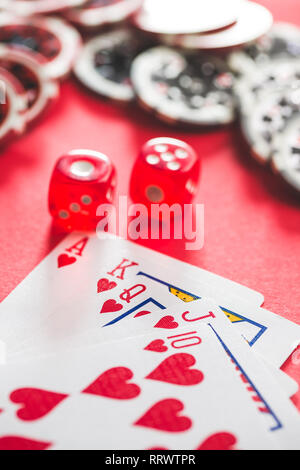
{"x": 141, "y": 351}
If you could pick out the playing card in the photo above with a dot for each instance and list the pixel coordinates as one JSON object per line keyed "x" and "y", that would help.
{"x": 126, "y": 397}
{"x": 169, "y": 320}
{"x": 139, "y": 324}
{"x": 123, "y": 285}
{"x": 77, "y": 273}
{"x": 194, "y": 388}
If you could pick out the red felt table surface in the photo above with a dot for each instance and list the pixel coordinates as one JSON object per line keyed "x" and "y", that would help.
{"x": 252, "y": 220}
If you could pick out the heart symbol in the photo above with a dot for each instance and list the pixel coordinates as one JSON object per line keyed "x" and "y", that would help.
{"x": 36, "y": 403}
{"x": 113, "y": 384}
{"x": 141, "y": 314}
{"x": 104, "y": 285}
{"x": 157, "y": 345}
{"x": 167, "y": 323}
{"x": 176, "y": 370}
{"x": 164, "y": 416}
{"x": 219, "y": 441}
{"x": 21, "y": 443}
{"x": 111, "y": 306}
{"x": 65, "y": 260}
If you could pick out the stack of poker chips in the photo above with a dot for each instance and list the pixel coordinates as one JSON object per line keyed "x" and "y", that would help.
{"x": 192, "y": 63}
{"x": 36, "y": 53}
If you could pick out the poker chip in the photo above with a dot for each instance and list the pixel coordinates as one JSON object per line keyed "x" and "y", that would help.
{"x": 185, "y": 17}
{"x": 105, "y": 61}
{"x": 101, "y": 12}
{"x": 190, "y": 89}
{"x": 33, "y": 7}
{"x": 274, "y": 76}
{"x": 252, "y": 22}
{"x": 282, "y": 42}
{"x": 286, "y": 155}
{"x": 267, "y": 119}
{"x": 52, "y": 38}
{"x": 12, "y": 106}
{"x": 39, "y": 90}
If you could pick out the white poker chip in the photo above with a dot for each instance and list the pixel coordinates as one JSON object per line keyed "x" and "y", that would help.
{"x": 178, "y": 88}
{"x": 252, "y": 22}
{"x": 274, "y": 76}
{"x": 104, "y": 64}
{"x": 186, "y": 17}
{"x": 286, "y": 155}
{"x": 94, "y": 13}
{"x": 53, "y": 38}
{"x": 34, "y": 7}
{"x": 39, "y": 89}
{"x": 282, "y": 42}
{"x": 12, "y": 106}
{"x": 267, "y": 119}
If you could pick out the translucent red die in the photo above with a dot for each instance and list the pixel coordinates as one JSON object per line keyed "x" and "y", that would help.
{"x": 80, "y": 182}
{"x": 166, "y": 171}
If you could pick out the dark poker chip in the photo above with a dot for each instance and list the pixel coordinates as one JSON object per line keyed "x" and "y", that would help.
{"x": 39, "y": 90}
{"x": 274, "y": 76}
{"x": 34, "y": 7}
{"x": 12, "y": 106}
{"x": 96, "y": 13}
{"x": 267, "y": 119}
{"x": 286, "y": 156}
{"x": 105, "y": 61}
{"x": 179, "y": 88}
{"x": 186, "y": 17}
{"x": 52, "y": 38}
{"x": 282, "y": 42}
{"x": 252, "y": 22}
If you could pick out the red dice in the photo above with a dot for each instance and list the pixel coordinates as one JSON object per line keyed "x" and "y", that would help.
{"x": 166, "y": 171}
{"x": 80, "y": 182}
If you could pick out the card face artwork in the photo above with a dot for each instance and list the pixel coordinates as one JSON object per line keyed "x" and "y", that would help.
{"x": 164, "y": 320}
{"x": 171, "y": 397}
{"x": 201, "y": 310}
{"x": 161, "y": 390}
{"x": 81, "y": 267}
{"x": 112, "y": 281}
